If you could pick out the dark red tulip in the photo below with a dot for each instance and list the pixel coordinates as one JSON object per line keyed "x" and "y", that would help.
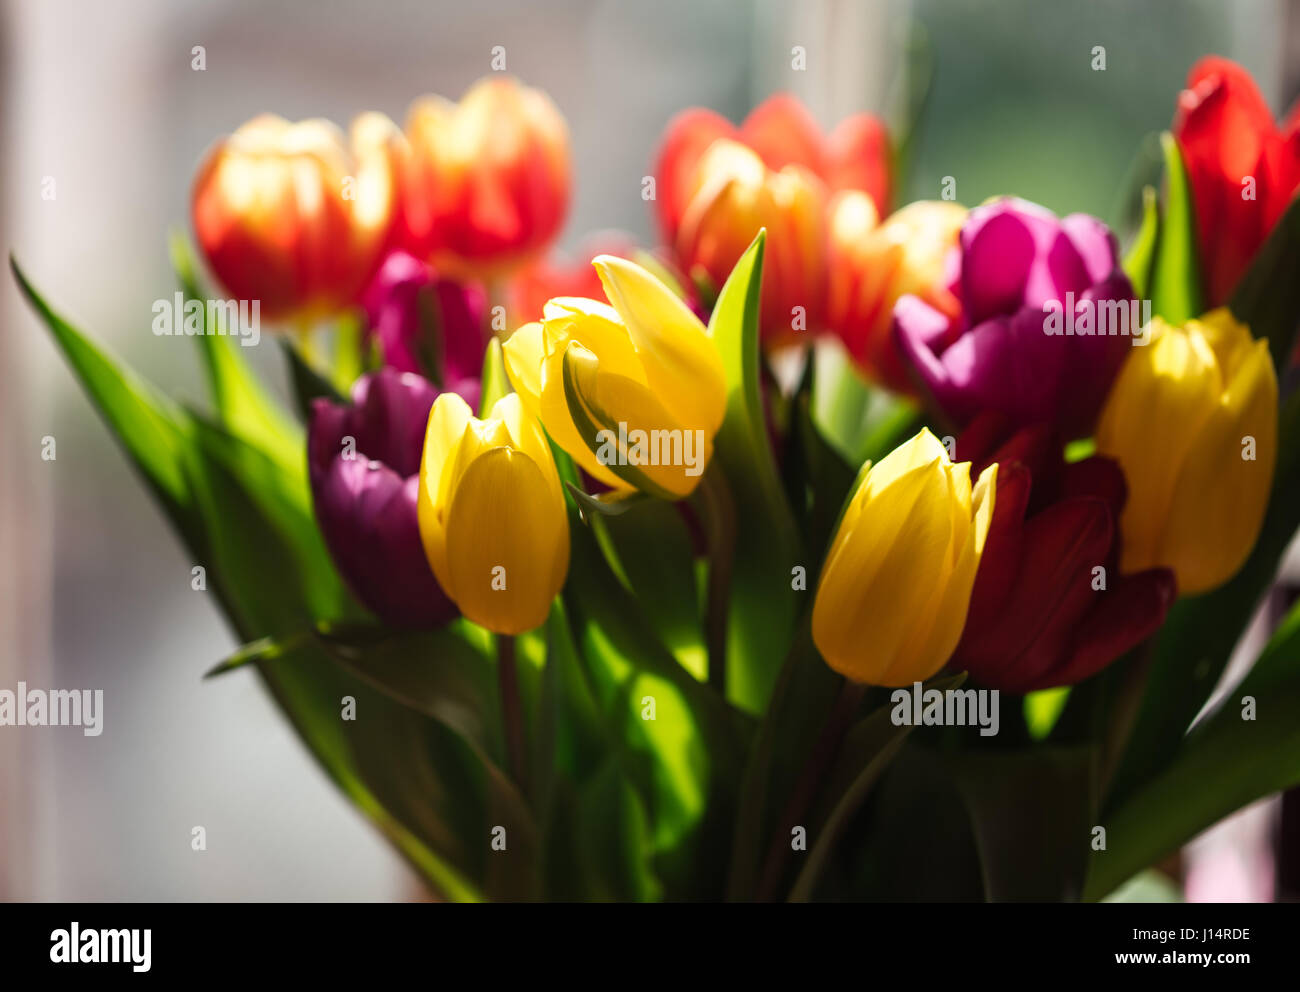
{"x": 364, "y": 463}
{"x": 1037, "y": 618}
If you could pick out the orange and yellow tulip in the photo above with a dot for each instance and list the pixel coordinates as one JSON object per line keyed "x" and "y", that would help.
{"x": 295, "y": 216}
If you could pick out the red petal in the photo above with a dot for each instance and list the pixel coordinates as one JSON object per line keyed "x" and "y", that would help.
{"x": 858, "y": 156}
{"x": 1129, "y": 612}
{"x": 783, "y": 133}
{"x": 686, "y": 138}
{"x": 1224, "y": 128}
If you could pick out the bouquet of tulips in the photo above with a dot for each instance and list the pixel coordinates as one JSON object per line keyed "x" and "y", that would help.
{"x": 828, "y": 550}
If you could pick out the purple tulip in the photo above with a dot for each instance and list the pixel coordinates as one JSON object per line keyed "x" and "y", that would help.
{"x": 428, "y": 325}
{"x": 364, "y": 464}
{"x": 1005, "y": 352}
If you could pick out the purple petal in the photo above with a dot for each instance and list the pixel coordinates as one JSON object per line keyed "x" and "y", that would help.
{"x": 1095, "y": 244}
{"x": 368, "y": 518}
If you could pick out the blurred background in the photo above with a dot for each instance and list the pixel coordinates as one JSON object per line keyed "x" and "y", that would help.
{"x": 95, "y": 592}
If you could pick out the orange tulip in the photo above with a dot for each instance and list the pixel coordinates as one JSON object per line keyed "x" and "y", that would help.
{"x": 717, "y": 184}
{"x": 487, "y": 181}
{"x": 870, "y": 265}
{"x": 288, "y": 214}
{"x": 737, "y": 195}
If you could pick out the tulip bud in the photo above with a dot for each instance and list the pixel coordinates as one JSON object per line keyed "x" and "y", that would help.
{"x": 871, "y": 265}
{"x": 492, "y": 515}
{"x": 634, "y": 391}
{"x": 737, "y": 195}
{"x": 289, "y": 215}
{"x": 1192, "y": 421}
{"x": 1023, "y": 272}
{"x": 894, "y": 591}
{"x": 363, "y": 461}
{"x": 1244, "y": 170}
{"x": 488, "y": 179}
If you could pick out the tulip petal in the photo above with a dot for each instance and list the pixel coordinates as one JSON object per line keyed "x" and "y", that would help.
{"x": 503, "y": 542}
{"x": 447, "y": 422}
{"x": 783, "y": 132}
{"x": 945, "y": 623}
{"x": 1131, "y": 610}
{"x": 629, "y": 432}
{"x": 680, "y": 361}
{"x": 1215, "y": 518}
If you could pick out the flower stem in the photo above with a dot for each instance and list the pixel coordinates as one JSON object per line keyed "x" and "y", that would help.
{"x": 810, "y": 778}
{"x": 718, "y": 510}
{"x": 512, "y": 711}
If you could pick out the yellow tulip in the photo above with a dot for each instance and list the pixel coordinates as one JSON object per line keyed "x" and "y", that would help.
{"x": 1192, "y": 420}
{"x": 492, "y": 514}
{"x": 633, "y": 390}
{"x": 892, "y": 598}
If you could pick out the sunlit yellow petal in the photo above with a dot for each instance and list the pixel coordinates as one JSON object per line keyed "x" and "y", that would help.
{"x": 681, "y": 363}
{"x": 503, "y": 543}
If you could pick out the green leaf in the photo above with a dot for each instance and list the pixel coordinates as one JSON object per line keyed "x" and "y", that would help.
{"x": 247, "y": 519}
{"x": 1268, "y": 296}
{"x": 242, "y": 405}
{"x": 496, "y": 384}
{"x": 606, "y": 504}
{"x": 803, "y": 696}
{"x": 1225, "y": 763}
{"x": 145, "y": 423}
{"x": 1140, "y": 260}
{"x": 764, "y": 607}
{"x": 818, "y": 478}
{"x": 308, "y": 384}
{"x": 1175, "y": 275}
{"x": 684, "y": 763}
{"x": 650, "y": 551}
{"x": 858, "y": 420}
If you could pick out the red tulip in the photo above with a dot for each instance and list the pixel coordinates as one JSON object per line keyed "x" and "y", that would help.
{"x": 1049, "y": 606}
{"x": 487, "y": 183}
{"x": 1242, "y": 167}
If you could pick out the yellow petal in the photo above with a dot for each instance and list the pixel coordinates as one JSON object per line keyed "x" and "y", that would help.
{"x": 557, "y": 419}
{"x": 660, "y": 456}
{"x": 523, "y": 353}
{"x": 1160, "y": 400}
{"x": 507, "y": 545}
{"x": 1220, "y": 498}
{"x": 680, "y": 361}
{"x": 867, "y": 596}
{"x": 926, "y": 654}
{"x": 447, "y": 421}
{"x": 528, "y": 437}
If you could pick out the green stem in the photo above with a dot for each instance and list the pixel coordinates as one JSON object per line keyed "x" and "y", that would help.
{"x": 512, "y": 711}
{"x": 810, "y": 778}
{"x": 718, "y": 510}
